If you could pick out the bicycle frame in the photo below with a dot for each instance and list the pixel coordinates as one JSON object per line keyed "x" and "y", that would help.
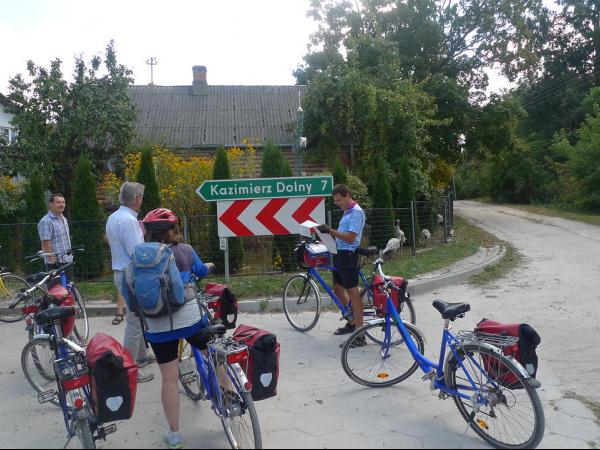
{"x": 429, "y": 367}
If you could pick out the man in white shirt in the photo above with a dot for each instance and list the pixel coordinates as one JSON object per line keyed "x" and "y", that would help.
{"x": 123, "y": 232}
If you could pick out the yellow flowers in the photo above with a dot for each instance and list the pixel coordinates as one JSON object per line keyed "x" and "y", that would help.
{"x": 179, "y": 177}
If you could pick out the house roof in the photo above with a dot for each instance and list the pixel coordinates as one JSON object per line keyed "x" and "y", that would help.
{"x": 225, "y": 116}
{"x": 4, "y": 101}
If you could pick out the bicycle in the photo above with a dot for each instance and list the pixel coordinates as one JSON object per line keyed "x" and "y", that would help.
{"x": 65, "y": 379}
{"x": 10, "y": 286}
{"x": 487, "y": 387}
{"x": 203, "y": 374}
{"x": 302, "y": 297}
{"x": 82, "y": 324}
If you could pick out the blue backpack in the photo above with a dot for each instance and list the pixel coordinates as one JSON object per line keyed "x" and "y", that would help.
{"x": 154, "y": 287}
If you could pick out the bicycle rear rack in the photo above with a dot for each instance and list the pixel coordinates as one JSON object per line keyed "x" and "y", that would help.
{"x": 496, "y": 340}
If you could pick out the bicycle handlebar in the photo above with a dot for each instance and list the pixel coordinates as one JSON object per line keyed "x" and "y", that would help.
{"x": 42, "y": 254}
{"x": 40, "y": 286}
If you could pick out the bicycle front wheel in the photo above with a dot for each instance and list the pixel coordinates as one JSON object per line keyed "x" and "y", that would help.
{"x": 188, "y": 374}
{"x": 10, "y": 286}
{"x": 240, "y": 420}
{"x": 82, "y": 322}
{"x": 302, "y": 303}
{"x": 371, "y": 360}
{"x": 508, "y": 412}
{"x": 37, "y": 361}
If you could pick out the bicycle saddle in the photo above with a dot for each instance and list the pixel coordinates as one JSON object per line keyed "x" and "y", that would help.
{"x": 451, "y": 311}
{"x": 211, "y": 331}
{"x": 368, "y": 251}
{"x": 54, "y": 314}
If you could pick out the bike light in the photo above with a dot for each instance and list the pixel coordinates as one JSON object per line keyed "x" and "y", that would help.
{"x": 30, "y": 310}
{"x": 78, "y": 403}
{"x": 233, "y": 358}
{"x": 248, "y": 386}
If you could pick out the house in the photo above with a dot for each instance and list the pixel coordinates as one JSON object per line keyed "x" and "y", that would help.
{"x": 7, "y": 130}
{"x": 199, "y": 118}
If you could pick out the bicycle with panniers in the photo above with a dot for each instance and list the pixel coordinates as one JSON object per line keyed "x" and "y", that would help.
{"x": 57, "y": 369}
{"x": 493, "y": 392}
{"x": 302, "y": 303}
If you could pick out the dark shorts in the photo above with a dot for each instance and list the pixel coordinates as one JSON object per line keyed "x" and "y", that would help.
{"x": 346, "y": 263}
{"x": 168, "y": 351}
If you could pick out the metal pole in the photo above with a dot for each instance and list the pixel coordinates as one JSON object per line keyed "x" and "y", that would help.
{"x": 227, "y": 261}
{"x": 445, "y": 224}
{"x": 186, "y": 236}
{"x": 414, "y": 228}
{"x": 329, "y": 222}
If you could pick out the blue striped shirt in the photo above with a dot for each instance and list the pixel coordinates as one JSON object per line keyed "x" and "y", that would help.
{"x": 353, "y": 221}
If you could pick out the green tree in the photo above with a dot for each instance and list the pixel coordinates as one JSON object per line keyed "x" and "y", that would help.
{"x": 87, "y": 224}
{"x": 57, "y": 120}
{"x": 147, "y": 176}
{"x": 340, "y": 175}
{"x": 35, "y": 209}
{"x": 222, "y": 171}
{"x": 275, "y": 165}
{"x": 381, "y": 218}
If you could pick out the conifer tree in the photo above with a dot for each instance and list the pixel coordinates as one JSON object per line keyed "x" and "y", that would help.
{"x": 147, "y": 177}
{"x": 35, "y": 209}
{"x": 382, "y": 219}
{"x": 87, "y": 226}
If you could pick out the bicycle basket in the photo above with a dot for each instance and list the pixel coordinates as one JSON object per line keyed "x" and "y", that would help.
{"x": 315, "y": 255}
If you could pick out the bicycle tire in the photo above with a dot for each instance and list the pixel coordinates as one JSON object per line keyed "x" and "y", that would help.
{"x": 301, "y": 310}
{"x": 236, "y": 427}
{"x": 502, "y": 399}
{"x": 84, "y": 434}
{"x": 192, "y": 385}
{"x": 33, "y": 365}
{"x": 81, "y": 330}
{"x": 12, "y": 286}
{"x": 360, "y": 362}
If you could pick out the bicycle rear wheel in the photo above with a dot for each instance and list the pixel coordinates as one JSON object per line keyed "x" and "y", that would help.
{"x": 84, "y": 434}
{"x": 240, "y": 420}
{"x": 82, "y": 322}
{"x": 189, "y": 378}
{"x": 302, "y": 303}
{"x": 37, "y": 361}
{"x": 10, "y": 286}
{"x": 375, "y": 364}
{"x": 509, "y": 415}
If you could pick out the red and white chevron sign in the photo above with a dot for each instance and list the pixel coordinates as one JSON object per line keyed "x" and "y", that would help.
{"x": 266, "y": 217}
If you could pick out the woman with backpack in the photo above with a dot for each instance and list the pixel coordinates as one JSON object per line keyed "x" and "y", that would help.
{"x": 163, "y": 333}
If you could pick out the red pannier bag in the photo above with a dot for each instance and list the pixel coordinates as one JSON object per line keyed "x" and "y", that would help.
{"x": 114, "y": 378}
{"x": 226, "y": 306}
{"x": 380, "y": 294}
{"x": 523, "y": 351}
{"x": 263, "y": 365}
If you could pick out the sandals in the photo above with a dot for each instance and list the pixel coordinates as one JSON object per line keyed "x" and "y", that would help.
{"x": 118, "y": 318}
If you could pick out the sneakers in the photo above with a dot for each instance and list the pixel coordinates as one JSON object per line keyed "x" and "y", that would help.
{"x": 148, "y": 360}
{"x": 144, "y": 377}
{"x": 360, "y": 341}
{"x": 173, "y": 439}
{"x": 346, "y": 329}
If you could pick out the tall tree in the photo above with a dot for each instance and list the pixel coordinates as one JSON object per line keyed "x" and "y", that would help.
{"x": 35, "y": 209}
{"x": 381, "y": 218}
{"x": 222, "y": 171}
{"x": 147, "y": 176}
{"x": 57, "y": 120}
{"x": 87, "y": 222}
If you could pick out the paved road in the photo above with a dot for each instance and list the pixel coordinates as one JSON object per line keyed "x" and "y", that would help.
{"x": 318, "y": 407}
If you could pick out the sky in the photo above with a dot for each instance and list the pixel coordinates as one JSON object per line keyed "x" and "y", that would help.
{"x": 241, "y": 42}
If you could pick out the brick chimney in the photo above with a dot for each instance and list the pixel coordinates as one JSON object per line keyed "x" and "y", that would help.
{"x": 199, "y": 85}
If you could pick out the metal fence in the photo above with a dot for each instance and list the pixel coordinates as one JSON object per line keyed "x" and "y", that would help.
{"x": 422, "y": 226}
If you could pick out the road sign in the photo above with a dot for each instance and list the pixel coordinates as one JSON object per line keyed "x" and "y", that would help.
{"x": 267, "y": 217}
{"x": 223, "y": 244}
{"x": 257, "y": 188}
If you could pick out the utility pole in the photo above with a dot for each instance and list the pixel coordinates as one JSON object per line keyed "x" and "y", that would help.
{"x": 299, "y": 140}
{"x": 152, "y": 62}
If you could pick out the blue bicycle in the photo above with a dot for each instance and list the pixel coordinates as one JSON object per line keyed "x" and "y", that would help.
{"x": 493, "y": 392}
{"x": 302, "y": 298}
{"x": 216, "y": 375}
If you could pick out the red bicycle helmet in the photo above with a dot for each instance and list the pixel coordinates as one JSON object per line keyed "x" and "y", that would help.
{"x": 160, "y": 219}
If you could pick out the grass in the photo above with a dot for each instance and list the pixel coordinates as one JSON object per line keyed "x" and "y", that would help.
{"x": 564, "y": 212}
{"x": 509, "y": 262}
{"x": 466, "y": 242}
{"x": 593, "y": 405}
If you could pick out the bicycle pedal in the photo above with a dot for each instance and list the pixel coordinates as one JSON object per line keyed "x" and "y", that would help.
{"x": 189, "y": 377}
{"x": 428, "y": 376}
{"x": 47, "y": 396}
{"x": 110, "y": 429}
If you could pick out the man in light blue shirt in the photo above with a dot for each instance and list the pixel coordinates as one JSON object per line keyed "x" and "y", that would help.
{"x": 348, "y": 237}
{"x": 124, "y": 232}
